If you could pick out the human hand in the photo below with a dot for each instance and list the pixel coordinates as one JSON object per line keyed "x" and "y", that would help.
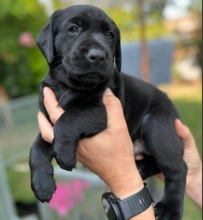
{"x": 109, "y": 154}
{"x": 191, "y": 155}
{"x": 194, "y": 163}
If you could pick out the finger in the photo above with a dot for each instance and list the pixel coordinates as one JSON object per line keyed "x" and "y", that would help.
{"x": 182, "y": 130}
{"x": 45, "y": 128}
{"x": 160, "y": 177}
{"x": 184, "y": 133}
{"x": 52, "y": 105}
{"x": 139, "y": 157}
{"x": 115, "y": 116}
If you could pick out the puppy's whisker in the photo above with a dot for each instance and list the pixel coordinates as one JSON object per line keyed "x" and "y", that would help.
{"x": 57, "y": 62}
{"x": 56, "y": 68}
{"x": 57, "y": 56}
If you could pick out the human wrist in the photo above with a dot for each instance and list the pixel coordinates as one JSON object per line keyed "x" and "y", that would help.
{"x": 124, "y": 186}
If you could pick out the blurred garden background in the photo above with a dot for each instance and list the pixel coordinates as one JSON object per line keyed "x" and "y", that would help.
{"x": 164, "y": 40}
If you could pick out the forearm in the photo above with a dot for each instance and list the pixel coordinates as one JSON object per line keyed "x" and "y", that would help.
{"x": 194, "y": 187}
{"x": 131, "y": 185}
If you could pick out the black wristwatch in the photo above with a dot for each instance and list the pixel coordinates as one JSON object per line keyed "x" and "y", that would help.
{"x": 117, "y": 209}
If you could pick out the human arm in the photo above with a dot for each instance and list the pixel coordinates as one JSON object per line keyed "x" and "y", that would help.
{"x": 115, "y": 162}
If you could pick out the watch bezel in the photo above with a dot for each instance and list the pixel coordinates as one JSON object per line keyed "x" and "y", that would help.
{"x": 113, "y": 202}
{"x": 129, "y": 207}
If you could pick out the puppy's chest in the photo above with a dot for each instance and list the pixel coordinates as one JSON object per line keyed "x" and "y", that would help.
{"x": 77, "y": 100}
{"x": 66, "y": 98}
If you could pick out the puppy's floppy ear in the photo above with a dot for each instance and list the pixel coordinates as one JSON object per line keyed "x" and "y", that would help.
{"x": 45, "y": 42}
{"x": 118, "y": 53}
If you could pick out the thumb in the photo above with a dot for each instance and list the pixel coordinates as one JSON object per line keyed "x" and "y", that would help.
{"x": 115, "y": 116}
{"x": 184, "y": 133}
{"x": 52, "y": 105}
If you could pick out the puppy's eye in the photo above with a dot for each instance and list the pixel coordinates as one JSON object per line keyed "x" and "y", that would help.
{"x": 73, "y": 30}
{"x": 110, "y": 35}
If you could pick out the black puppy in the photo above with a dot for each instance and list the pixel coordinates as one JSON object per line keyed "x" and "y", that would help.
{"x": 82, "y": 47}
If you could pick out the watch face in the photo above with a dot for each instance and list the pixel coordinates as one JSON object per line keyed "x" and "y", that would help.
{"x": 109, "y": 210}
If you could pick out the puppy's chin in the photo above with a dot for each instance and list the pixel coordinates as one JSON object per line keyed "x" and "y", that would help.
{"x": 92, "y": 77}
{"x": 87, "y": 81}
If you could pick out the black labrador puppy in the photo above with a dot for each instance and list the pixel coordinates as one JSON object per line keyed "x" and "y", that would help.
{"x": 82, "y": 47}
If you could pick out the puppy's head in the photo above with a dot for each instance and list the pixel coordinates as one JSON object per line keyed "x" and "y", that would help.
{"x": 83, "y": 41}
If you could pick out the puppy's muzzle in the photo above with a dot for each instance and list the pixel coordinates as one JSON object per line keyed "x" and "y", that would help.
{"x": 96, "y": 57}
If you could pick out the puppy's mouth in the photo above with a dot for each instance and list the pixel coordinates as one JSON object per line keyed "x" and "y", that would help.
{"x": 92, "y": 77}
{"x": 88, "y": 80}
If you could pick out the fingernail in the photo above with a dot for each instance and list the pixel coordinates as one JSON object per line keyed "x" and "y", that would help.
{"x": 108, "y": 92}
{"x": 179, "y": 121}
{"x": 45, "y": 91}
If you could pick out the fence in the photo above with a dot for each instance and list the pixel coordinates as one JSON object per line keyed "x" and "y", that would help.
{"x": 18, "y": 128}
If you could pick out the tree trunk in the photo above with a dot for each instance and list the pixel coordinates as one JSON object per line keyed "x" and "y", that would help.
{"x": 144, "y": 66}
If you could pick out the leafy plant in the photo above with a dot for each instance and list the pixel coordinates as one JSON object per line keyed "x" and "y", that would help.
{"x": 21, "y": 64}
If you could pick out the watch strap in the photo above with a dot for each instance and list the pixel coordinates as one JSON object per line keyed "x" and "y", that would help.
{"x": 136, "y": 204}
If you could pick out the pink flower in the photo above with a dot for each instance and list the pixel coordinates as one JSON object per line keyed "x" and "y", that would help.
{"x": 67, "y": 196}
{"x": 26, "y": 39}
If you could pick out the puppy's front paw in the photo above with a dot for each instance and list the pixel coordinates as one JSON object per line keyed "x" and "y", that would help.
{"x": 168, "y": 211}
{"x": 65, "y": 162}
{"x": 65, "y": 159}
{"x": 43, "y": 185}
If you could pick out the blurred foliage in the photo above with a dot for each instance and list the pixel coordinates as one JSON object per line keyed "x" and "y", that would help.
{"x": 198, "y": 42}
{"x": 128, "y": 21}
{"x": 21, "y": 68}
{"x": 196, "y": 6}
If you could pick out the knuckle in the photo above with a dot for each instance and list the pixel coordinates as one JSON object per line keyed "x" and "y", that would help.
{"x": 186, "y": 132}
{"x": 53, "y": 118}
{"x": 46, "y": 101}
{"x": 115, "y": 102}
{"x": 121, "y": 128}
{"x": 44, "y": 136}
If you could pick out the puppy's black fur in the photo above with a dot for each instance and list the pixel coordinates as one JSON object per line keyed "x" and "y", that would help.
{"x": 82, "y": 47}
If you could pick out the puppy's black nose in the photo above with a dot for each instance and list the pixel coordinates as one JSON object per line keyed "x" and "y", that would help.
{"x": 95, "y": 56}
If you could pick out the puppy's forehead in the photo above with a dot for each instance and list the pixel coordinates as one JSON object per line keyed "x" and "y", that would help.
{"x": 86, "y": 13}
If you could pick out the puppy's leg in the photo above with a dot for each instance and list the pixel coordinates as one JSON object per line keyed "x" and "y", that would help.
{"x": 42, "y": 181}
{"x": 147, "y": 167}
{"x": 75, "y": 124}
{"x": 160, "y": 136}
